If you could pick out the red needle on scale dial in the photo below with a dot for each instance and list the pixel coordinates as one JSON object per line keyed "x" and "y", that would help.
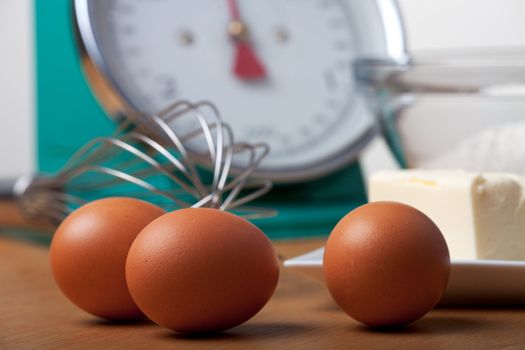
{"x": 247, "y": 65}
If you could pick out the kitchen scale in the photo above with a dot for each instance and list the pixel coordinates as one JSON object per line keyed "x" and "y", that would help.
{"x": 281, "y": 72}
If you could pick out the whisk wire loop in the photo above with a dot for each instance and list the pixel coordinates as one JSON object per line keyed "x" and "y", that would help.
{"x": 184, "y": 155}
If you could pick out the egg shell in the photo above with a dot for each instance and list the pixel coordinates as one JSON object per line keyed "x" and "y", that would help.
{"x": 201, "y": 270}
{"x": 88, "y": 254}
{"x": 386, "y": 264}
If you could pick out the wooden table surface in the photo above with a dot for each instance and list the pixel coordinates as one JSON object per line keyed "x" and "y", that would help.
{"x": 301, "y": 315}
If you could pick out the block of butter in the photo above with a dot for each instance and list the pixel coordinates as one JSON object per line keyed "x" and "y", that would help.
{"x": 482, "y": 216}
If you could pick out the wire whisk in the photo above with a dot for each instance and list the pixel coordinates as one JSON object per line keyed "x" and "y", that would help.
{"x": 182, "y": 156}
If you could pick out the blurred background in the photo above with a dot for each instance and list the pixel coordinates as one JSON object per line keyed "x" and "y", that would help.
{"x": 430, "y": 25}
{"x": 42, "y": 88}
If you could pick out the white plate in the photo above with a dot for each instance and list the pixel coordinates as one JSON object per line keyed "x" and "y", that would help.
{"x": 472, "y": 282}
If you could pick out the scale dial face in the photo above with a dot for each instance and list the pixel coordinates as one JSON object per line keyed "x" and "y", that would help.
{"x": 304, "y": 104}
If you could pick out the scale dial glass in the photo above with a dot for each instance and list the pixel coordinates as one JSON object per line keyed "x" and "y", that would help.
{"x": 306, "y": 107}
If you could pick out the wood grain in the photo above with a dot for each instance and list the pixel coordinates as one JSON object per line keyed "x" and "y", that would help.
{"x": 301, "y": 315}
{"x": 10, "y": 214}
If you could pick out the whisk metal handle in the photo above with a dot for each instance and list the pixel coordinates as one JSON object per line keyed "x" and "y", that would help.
{"x": 11, "y": 188}
{"x": 7, "y": 188}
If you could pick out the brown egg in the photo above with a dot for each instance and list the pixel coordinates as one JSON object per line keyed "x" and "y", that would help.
{"x": 201, "y": 270}
{"x": 386, "y": 264}
{"x": 88, "y": 254}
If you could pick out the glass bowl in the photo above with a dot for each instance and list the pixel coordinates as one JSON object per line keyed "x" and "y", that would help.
{"x": 462, "y": 110}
